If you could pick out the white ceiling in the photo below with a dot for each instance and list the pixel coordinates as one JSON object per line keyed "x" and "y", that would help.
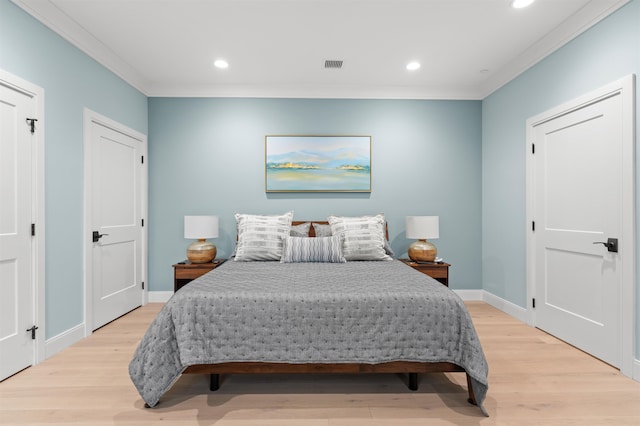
{"x": 277, "y": 48}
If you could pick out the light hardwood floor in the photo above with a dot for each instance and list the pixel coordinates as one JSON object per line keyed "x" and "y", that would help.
{"x": 534, "y": 379}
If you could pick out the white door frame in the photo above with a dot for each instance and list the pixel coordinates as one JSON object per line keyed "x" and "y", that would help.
{"x": 625, "y": 87}
{"x": 37, "y": 208}
{"x": 89, "y": 118}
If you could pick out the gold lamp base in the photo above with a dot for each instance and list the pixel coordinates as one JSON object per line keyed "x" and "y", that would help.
{"x": 201, "y": 251}
{"x": 422, "y": 251}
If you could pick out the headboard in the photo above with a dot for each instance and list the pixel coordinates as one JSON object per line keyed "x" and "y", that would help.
{"x": 312, "y": 231}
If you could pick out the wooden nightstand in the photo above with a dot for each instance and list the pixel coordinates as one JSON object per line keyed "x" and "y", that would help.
{"x": 184, "y": 272}
{"x": 439, "y": 271}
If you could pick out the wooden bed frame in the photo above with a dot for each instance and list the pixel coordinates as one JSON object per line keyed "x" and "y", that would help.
{"x": 397, "y": 367}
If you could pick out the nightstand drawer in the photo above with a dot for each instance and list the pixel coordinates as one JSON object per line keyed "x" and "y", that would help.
{"x": 438, "y": 271}
{"x": 185, "y": 272}
{"x": 435, "y": 272}
{"x": 191, "y": 273}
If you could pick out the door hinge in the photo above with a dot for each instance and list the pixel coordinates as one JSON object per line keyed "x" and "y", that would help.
{"x": 533, "y": 148}
{"x": 32, "y": 122}
{"x": 33, "y": 332}
{"x": 533, "y": 303}
{"x": 143, "y": 285}
{"x": 533, "y": 225}
{"x": 33, "y": 229}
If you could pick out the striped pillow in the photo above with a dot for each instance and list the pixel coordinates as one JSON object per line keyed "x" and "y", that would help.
{"x": 260, "y": 237}
{"x": 363, "y": 236}
{"x": 309, "y": 249}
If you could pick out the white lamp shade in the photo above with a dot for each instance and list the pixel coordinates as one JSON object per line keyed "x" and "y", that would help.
{"x": 422, "y": 227}
{"x": 200, "y": 227}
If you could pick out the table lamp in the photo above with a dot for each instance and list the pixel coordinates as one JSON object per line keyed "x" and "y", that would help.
{"x": 201, "y": 228}
{"x": 421, "y": 228}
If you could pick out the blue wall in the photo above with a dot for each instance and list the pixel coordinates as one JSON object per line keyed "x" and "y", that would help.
{"x": 207, "y": 157}
{"x": 603, "y": 54}
{"x": 71, "y": 81}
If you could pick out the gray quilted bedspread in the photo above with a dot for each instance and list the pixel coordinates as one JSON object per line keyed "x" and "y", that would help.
{"x": 355, "y": 312}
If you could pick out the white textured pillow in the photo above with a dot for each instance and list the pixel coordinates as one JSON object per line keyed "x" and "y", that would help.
{"x": 260, "y": 237}
{"x": 322, "y": 230}
{"x": 312, "y": 249}
{"x": 363, "y": 236}
{"x": 301, "y": 230}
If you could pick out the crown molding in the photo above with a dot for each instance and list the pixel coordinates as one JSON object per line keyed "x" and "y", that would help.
{"x": 51, "y": 16}
{"x": 592, "y": 13}
{"x": 315, "y": 92}
{"x": 55, "y": 19}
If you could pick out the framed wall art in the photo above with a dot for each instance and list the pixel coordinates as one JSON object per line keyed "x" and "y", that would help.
{"x": 317, "y": 163}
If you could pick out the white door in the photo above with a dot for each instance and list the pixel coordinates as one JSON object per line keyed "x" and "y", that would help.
{"x": 115, "y": 203}
{"x": 578, "y": 205}
{"x": 16, "y": 281}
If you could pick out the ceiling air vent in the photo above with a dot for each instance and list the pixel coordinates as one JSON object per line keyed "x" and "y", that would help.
{"x": 333, "y": 64}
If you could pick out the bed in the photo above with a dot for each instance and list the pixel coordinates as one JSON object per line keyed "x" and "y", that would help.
{"x": 309, "y": 317}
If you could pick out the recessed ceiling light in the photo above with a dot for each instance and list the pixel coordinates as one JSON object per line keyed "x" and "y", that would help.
{"x": 221, "y": 63}
{"x": 519, "y": 4}
{"x": 412, "y": 66}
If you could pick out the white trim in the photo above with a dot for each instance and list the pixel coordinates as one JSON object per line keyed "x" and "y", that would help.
{"x": 37, "y": 214}
{"x": 628, "y": 245}
{"x": 518, "y": 312}
{"x": 315, "y": 92}
{"x": 144, "y": 213}
{"x": 64, "y": 340}
{"x": 89, "y": 118}
{"x": 626, "y": 88}
{"x": 62, "y": 24}
{"x": 58, "y": 21}
{"x": 585, "y": 18}
{"x": 160, "y": 296}
{"x": 524, "y": 315}
{"x": 470, "y": 295}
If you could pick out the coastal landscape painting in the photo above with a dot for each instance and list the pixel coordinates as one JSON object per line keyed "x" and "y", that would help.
{"x": 318, "y": 163}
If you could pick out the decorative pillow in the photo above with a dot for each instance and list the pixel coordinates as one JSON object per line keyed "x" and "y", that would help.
{"x": 316, "y": 249}
{"x": 260, "y": 237}
{"x": 363, "y": 236}
{"x": 322, "y": 230}
{"x": 301, "y": 230}
{"x": 387, "y": 246}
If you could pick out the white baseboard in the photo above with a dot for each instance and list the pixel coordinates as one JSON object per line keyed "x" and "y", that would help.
{"x": 636, "y": 370}
{"x": 159, "y": 296}
{"x": 518, "y": 312}
{"x": 523, "y": 315}
{"x": 469, "y": 295}
{"x": 63, "y": 340}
